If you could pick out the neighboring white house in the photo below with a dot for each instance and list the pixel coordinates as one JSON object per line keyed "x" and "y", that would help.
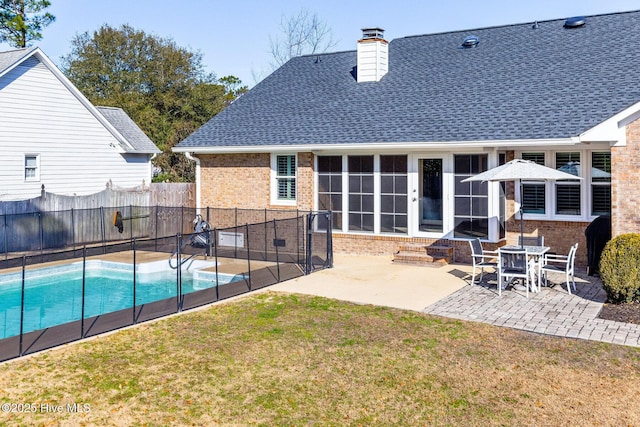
{"x": 51, "y": 135}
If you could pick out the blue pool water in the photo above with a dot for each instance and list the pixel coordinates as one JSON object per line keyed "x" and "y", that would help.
{"x": 53, "y": 295}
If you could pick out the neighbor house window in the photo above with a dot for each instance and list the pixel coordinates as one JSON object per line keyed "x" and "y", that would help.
{"x": 533, "y": 193}
{"x": 471, "y": 199}
{"x": 568, "y": 198}
{"x": 284, "y": 171}
{"x": 393, "y": 194}
{"x": 31, "y": 167}
{"x": 330, "y": 190}
{"x": 600, "y": 183}
{"x": 361, "y": 193}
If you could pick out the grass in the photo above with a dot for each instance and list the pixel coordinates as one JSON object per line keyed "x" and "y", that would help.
{"x": 278, "y": 359}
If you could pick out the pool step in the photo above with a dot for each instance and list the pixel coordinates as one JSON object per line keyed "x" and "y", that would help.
{"x": 424, "y": 255}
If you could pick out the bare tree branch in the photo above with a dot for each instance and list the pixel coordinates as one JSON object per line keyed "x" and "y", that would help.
{"x": 301, "y": 34}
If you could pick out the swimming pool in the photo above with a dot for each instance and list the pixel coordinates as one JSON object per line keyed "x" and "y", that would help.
{"x": 53, "y": 295}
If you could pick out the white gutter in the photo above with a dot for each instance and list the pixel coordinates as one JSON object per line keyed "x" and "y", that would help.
{"x": 410, "y": 146}
{"x": 191, "y": 156}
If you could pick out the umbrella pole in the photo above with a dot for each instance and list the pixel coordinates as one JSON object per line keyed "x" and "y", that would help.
{"x": 521, "y": 218}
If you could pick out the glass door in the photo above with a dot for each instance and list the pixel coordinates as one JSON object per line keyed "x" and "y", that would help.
{"x": 430, "y": 195}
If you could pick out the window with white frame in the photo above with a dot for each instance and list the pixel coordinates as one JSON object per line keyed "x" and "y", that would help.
{"x": 471, "y": 199}
{"x": 284, "y": 174}
{"x": 570, "y": 198}
{"x": 600, "y": 183}
{"x": 568, "y": 194}
{"x": 393, "y": 194}
{"x": 534, "y": 192}
{"x": 330, "y": 190}
{"x": 31, "y": 167}
{"x": 361, "y": 194}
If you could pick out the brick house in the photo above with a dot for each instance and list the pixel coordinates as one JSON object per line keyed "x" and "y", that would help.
{"x": 383, "y": 136}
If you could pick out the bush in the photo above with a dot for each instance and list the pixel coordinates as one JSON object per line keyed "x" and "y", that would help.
{"x": 620, "y": 268}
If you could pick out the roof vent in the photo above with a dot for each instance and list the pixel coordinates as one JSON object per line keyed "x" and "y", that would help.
{"x": 575, "y": 22}
{"x": 535, "y": 25}
{"x": 470, "y": 41}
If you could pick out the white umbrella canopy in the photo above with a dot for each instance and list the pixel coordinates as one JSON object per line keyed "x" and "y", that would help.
{"x": 521, "y": 170}
{"x": 518, "y": 170}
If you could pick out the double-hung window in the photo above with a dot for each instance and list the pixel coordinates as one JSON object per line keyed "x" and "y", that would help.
{"x": 31, "y": 167}
{"x": 534, "y": 192}
{"x": 568, "y": 197}
{"x": 284, "y": 174}
{"x": 600, "y": 183}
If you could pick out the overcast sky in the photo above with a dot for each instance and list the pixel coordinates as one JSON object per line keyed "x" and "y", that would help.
{"x": 233, "y": 36}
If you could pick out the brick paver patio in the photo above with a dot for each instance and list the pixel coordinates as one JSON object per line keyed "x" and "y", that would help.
{"x": 552, "y": 311}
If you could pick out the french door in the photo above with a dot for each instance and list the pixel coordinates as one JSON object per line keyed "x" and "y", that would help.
{"x": 430, "y": 195}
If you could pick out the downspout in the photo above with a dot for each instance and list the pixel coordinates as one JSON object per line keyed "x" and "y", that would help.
{"x": 191, "y": 156}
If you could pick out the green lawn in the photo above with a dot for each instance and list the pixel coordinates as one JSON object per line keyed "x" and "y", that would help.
{"x": 276, "y": 359}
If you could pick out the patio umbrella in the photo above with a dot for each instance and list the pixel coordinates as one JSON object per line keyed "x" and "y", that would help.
{"x": 519, "y": 170}
{"x": 574, "y": 169}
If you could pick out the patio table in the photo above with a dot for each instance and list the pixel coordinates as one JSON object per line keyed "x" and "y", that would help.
{"x": 535, "y": 252}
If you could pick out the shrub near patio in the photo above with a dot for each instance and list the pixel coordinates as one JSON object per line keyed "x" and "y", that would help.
{"x": 620, "y": 268}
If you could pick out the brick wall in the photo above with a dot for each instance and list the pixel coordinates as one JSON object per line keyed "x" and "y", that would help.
{"x": 224, "y": 179}
{"x": 243, "y": 181}
{"x": 625, "y": 184}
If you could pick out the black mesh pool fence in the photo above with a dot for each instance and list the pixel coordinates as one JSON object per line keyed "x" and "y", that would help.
{"x": 53, "y": 298}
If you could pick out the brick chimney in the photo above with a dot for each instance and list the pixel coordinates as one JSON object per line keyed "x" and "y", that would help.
{"x": 373, "y": 55}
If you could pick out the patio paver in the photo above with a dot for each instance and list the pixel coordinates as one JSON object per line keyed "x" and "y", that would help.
{"x": 552, "y": 311}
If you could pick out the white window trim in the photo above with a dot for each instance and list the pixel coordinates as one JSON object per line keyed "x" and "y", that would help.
{"x": 274, "y": 180}
{"x": 35, "y": 178}
{"x": 550, "y": 192}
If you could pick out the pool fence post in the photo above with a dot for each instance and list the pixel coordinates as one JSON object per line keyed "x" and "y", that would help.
{"x": 248, "y": 254}
{"x": 84, "y": 270}
{"x": 178, "y": 272}
{"x": 134, "y": 280}
{"x": 266, "y": 248}
{"x": 156, "y": 227}
{"x": 276, "y": 244}
{"x": 297, "y": 236}
{"x": 24, "y": 261}
{"x": 73, "y": 230}
{"x": 6, "y": 239}
{"x": 102, "y": 230}
{"x": 41, "y": 227}
{"x": 215, "y": 254}
{"x": 309, "y": 242}
{"x": 131, "y": 222}
{"x": 329, "y": 261}
{"x": 235, "y": 240}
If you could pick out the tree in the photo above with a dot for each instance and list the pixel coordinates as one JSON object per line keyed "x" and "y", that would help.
{"x": 301, "y": 34}
{"x": 19, "y": 22}
{"x": 162, "y": 87}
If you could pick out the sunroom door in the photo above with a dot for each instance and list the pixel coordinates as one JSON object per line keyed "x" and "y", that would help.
{"x": 430, "y": 196}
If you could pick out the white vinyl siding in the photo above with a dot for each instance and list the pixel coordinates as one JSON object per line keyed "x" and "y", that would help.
{"x": 77, "y": 154}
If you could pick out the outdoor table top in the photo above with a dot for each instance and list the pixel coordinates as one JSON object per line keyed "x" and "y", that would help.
{"x": 531, "y": 250}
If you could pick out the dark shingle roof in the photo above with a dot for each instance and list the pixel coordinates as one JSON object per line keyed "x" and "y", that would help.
{"x": 518, "y": 83}
{"x": 139, "y": 141}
